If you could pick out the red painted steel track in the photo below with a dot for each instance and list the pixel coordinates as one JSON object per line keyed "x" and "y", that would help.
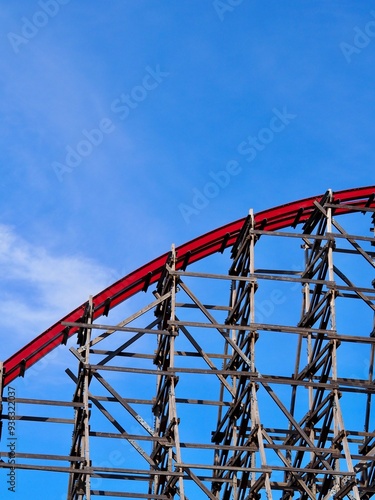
{"x": 196, "y": 249}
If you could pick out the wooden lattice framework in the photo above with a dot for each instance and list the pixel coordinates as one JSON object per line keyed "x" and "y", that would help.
{"x": 192, "y": 389}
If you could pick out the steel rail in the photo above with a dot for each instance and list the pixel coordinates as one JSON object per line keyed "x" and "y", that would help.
{"x": 272, "y": 219}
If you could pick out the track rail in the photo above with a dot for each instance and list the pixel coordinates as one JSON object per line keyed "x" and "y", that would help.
{"x": 214, "y": 241}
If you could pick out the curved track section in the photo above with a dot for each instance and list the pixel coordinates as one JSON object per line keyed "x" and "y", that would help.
{"x": 217, "y": 240}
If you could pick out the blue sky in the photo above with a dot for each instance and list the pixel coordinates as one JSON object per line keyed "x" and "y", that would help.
{"x": 157, "y": 99}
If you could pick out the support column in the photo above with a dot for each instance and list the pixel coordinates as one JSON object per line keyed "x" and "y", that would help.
{"x": 167, "y": 451}
{"x": 239, "y": 429}
{"x": 80, "y": 480}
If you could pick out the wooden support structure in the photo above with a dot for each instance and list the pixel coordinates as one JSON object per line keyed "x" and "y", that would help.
{"x": 237, "y": 385}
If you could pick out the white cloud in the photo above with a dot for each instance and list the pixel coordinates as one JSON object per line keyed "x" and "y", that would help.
{"x": 37, "y": 288}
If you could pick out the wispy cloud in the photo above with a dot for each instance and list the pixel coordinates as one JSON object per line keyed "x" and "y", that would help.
{"x": 37, "y": 287}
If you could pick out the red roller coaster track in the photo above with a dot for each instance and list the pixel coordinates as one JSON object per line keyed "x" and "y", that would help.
{"x": 217, "y": 240}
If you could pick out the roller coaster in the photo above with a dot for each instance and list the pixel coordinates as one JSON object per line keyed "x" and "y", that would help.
{"x": 243, "y": 368}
